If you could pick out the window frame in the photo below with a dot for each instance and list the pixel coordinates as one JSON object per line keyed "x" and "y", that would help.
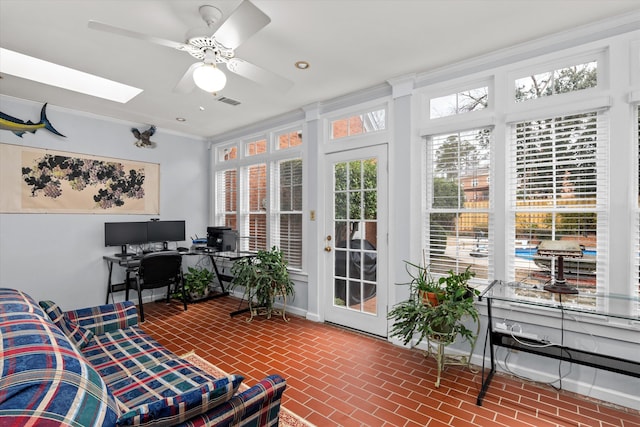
{"x": 600, "y": 197}
{"x": 242, "y": 163}
{"x": 428, "y": 197}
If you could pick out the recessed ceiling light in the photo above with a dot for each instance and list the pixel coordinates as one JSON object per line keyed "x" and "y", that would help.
{"x": 302, "y": 65}
{"x": 181, "y": 119}
{"x": 28, "y": 67}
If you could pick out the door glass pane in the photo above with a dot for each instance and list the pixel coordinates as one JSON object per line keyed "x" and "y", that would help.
{"x": 355, "y": 254}
{"x": 370, "y": 203}
{"x": 354, "y": 205}
{"x": 355, "y": 179}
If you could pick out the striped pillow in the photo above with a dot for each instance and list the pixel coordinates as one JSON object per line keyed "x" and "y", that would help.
{"x": 78, "y": 335}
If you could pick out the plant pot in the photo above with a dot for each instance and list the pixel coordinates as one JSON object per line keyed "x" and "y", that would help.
{"x": 429, "y": 298}
{"x": 196, "y": 296}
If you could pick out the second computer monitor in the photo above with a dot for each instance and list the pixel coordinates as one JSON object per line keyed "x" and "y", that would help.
{"x": 165, "y": 231}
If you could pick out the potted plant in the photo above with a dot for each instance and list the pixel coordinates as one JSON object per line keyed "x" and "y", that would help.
{"x": 264, "y": 278}
{"x": 444, "y": 321}
{"x": 423, "y": 284}
{"x": 197, "y": 282}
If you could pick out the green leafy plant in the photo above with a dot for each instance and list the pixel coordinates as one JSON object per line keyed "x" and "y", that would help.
{"x": 263, "y": 277}
{"x": 423, "y": 284}
{"x": 444, "y": 321}
{"x": 197, "y": 281}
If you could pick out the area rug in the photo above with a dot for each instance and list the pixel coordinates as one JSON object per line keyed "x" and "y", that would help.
{"x": 287, "y": 418}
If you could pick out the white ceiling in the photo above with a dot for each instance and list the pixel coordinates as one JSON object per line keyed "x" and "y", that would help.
{"x": 350, "y": 44}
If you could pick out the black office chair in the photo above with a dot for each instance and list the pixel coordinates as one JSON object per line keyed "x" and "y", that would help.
{"x": 156, "y": 271}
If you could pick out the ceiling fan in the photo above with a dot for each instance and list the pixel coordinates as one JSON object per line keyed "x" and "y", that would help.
{"x": 215, "y": 48}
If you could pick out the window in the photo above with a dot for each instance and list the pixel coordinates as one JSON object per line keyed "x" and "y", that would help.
{"x": 558, "y": 188}
{"x": 227, "y": 153}
{"x": 457, "y": 212}
{"x": 259, "y": 192}
{"x": 254, "y": 148}
{"x": 226, "y": 193}
{"x": 561, "y": 80}
{"x": 636, "y": 272}
{"x": 458, "y": 103}
{"x": 288, "y": 140}
{"x": 372, "y": 121}
{"x": 255, "y": 212}
{"x": 287, "y": 212}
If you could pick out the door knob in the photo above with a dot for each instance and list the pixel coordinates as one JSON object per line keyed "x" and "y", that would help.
{"x": 327, "y": 249}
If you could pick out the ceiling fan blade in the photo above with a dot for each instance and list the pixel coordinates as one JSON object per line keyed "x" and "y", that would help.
{"x": 243, "y": 22}
{"x": 259, "y": 75}
{"x": 133, "y": 34}
{"x": 186, "y": 83}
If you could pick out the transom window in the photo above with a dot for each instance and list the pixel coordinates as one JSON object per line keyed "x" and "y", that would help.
{"x": 554, "y": 82}
{"x": 256, "y": 147}
{"x": 358, "y": 124}
{"x": 458, "y": 103}
{"x": 288, "y": 140}
{"x": 227, "y": 153}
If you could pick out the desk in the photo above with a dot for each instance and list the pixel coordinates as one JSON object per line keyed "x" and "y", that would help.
{"x": 609, "y": 306}
{"x": 131, "y": 264}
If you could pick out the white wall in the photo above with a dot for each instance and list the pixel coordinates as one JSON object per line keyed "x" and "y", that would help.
{"x": 59, "y": 256}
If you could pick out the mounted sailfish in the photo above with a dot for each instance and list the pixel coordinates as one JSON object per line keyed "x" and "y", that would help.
{"x": 19, "y": 127}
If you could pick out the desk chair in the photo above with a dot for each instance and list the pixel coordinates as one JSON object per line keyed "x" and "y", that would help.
{"x": 156, "y": 271}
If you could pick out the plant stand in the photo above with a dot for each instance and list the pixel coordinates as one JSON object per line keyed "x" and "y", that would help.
{"x": 436, "y": 348}
{"x": 268, "y": 310}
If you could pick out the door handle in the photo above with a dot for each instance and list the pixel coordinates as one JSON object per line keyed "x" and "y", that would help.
{"x": 328, "y": 248}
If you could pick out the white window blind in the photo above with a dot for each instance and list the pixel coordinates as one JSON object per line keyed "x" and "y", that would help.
{"x": 457, "y": 219}
{"x": 286, "y": 214}
{"x": 255, "y": 205}
{"x": 558, "y": 191}
{"x": 226, "y": 194}
{"x": 636, "y": 265}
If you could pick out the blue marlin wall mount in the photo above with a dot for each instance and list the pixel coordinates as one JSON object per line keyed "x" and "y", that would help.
{"x": 19, "y": 127}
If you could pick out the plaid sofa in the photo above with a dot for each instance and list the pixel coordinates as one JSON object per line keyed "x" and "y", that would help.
{"x": 96, "y": 367}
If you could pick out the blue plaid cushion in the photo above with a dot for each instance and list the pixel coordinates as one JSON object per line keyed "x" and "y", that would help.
{"x": 43, "y": 378}
{"x": 78, "y": 335}
{"x": 106, "y": 318}
{"x": 171, "y": 392}
{"x": 12, "y": 300}
{"x": 260, "y": 407}
{"x": 125, "y": 352}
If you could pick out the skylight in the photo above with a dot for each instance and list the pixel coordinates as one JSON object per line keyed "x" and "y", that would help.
{"x": 28, "y": 67}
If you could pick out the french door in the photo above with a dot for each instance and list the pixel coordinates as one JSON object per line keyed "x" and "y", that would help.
{"x": 355, "y": 241}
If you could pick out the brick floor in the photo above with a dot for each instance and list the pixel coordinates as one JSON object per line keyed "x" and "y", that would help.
{"x": 337, "y": 377}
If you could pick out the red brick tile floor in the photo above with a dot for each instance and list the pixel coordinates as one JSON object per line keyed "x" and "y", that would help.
{"x": 338, "y": 377}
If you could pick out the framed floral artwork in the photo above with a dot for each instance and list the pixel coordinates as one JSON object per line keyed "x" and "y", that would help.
{"x": 34, "y": 180}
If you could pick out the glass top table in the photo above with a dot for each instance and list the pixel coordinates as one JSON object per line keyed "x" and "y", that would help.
{"x": 622, "y": 308}
{"x": 618, "y": 306}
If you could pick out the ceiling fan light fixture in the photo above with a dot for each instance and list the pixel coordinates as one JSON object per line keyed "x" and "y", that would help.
{"x": 209, "y": 78}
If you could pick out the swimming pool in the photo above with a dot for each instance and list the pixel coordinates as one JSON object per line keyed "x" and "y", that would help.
{"x": 528, "y": 253}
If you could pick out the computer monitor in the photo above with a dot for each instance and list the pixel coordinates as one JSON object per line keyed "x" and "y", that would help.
{"x": 123, "y": 234}
{"x": 165, "y": 231}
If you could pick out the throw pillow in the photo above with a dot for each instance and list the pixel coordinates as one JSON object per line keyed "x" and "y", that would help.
{"x": 78, "y": 335}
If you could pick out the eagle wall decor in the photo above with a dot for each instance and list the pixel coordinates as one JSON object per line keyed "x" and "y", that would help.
{"x": 143, "y": 137}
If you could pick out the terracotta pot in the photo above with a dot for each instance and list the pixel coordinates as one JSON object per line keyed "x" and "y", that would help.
{"x": 430, "y": 298}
